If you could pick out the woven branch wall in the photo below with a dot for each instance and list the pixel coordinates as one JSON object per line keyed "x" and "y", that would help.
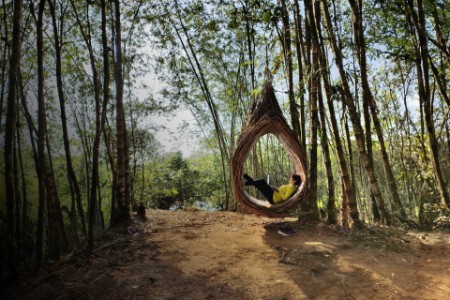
{"x": 266, "y": 117}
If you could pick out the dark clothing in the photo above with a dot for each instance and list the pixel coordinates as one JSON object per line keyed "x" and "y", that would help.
{"x": 272, "y": 194}
{"x": 265, "y": 189}
{"x": 262, "y": 186}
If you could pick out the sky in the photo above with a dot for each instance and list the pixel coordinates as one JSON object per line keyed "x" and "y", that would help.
{"x": 177, "y": 132}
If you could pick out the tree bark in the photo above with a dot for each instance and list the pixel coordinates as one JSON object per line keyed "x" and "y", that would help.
{"x": 5, "y": 55}
{"x": 106, "y": 97}
{"x": 295, "y": 122}
{"x": 120, "y": 213}
{"x": 345, "y": 207}
{"x": 301, "y": 81}
{"x": 58, "y": 242}
{"x": 199, "y": 75}
{"x": 10, "y": 129}
{"x": 321, "y": 63}
{"x": 18, "y": 198}
{"x": 425, "y": 95}
{"x": 313, "y": 87}
{"x": 39, "y": 224}
{"x": 354, "y": 117}
{"x": 331, "y": 204}
{"x": 41, "y": 153}
{"x": 369, "y": 102}
{"x": 24, "y": 222}
{"x": 95, "y": 148}
{"x": 73, "y": 181}
{"x": 250, "y": 46}
{"x": 331, "y": 95}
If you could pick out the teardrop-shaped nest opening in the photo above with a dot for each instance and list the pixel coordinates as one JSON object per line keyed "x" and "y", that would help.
{"x": 266, "y": 117}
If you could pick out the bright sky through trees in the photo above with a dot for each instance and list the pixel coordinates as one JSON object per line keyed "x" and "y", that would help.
{"x": 176, "y": 133}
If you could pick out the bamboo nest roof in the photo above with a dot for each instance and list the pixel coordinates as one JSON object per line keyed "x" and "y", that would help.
{"x": 266, "y": 117}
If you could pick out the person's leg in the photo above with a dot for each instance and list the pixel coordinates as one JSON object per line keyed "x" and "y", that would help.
{"x": 248, "y": 179}
{"x": 264, "y": 188}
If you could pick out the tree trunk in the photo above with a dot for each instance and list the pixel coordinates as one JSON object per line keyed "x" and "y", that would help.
{"x": 345, "y": 207}
{"x": 41, "y": 116}
{"x": 447, "y": 131}
{"x": 58, "y": 242}
{"x": 199, "y": 75}
{"x": 425, "y": 95}
{"x": 369, "y": 101}
{"x": 301, "y": 81}
{"x": 18, "y": 199}
{"x": 5, "y": 55}
{"x": 96, "y": 145}
{"x": 107, "y": 136}
{"x": 95, "y": 152}
{"x": 120, "y": 213}
{"x": 24, "y": 222}
{"x": 331, "y": 204}
{"x": 40, "y": 221}
{"x": 73, "y": 181}
{"x": 346, "y": 178}
{"x": 359, "y": 134}
{"x": 295, "y": 122}
{"x": 313, "y": 87}
{"x": 53, "y": 199}
{"x": 106, "y": 96}
{"x": 10, "y": 129}
{"x": 351, "y": 163}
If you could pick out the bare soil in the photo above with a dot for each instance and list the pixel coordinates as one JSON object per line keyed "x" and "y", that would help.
{"x": 225, "y": 255}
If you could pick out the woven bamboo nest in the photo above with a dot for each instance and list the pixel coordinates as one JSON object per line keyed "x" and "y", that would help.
{"x": 266, "y": 117}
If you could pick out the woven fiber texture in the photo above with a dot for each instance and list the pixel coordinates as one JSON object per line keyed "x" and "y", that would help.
{"x": 266, "y": 117}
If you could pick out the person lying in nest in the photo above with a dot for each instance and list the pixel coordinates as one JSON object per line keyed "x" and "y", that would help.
{"x": 275, "y": 195}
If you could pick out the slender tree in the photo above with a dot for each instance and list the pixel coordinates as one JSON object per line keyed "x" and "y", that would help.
{"x": 95, "y": 148}
{"x": 332, "y": 95}
{"x": 422, "y": 66}
{"x": 58, "y": 241}
{"x": 286, "y": 39}
{"x": 369, "y": 102}
{"x": 106, "y": 98}
{"x": 299, "y": 45}
{"x": 331, "y": 206}
{"x": 120, "y": 211}
{"x": 313, "y": 89}
{"x": 350, "y": 103}
{"x": 5, "y": 55}
{"x": 10, "y": 129}
{"x": 71, "y": 176}
{"x": 212, "y": 107}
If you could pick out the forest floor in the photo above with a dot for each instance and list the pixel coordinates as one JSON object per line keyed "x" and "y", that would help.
{"x": 226, "y": 255}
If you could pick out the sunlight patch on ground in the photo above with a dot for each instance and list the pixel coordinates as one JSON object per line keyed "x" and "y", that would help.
{"x": 370, "y": 274}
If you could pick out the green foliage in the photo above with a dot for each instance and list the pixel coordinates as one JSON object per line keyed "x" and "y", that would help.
{"x": 170, "y": 179}
{"x": 220, "y": 51}
{"x": 443, "y": 220}
{"x": 433, "y": 215}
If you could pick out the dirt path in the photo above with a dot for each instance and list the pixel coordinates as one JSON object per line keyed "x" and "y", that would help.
{"x": 219, "y": 255}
